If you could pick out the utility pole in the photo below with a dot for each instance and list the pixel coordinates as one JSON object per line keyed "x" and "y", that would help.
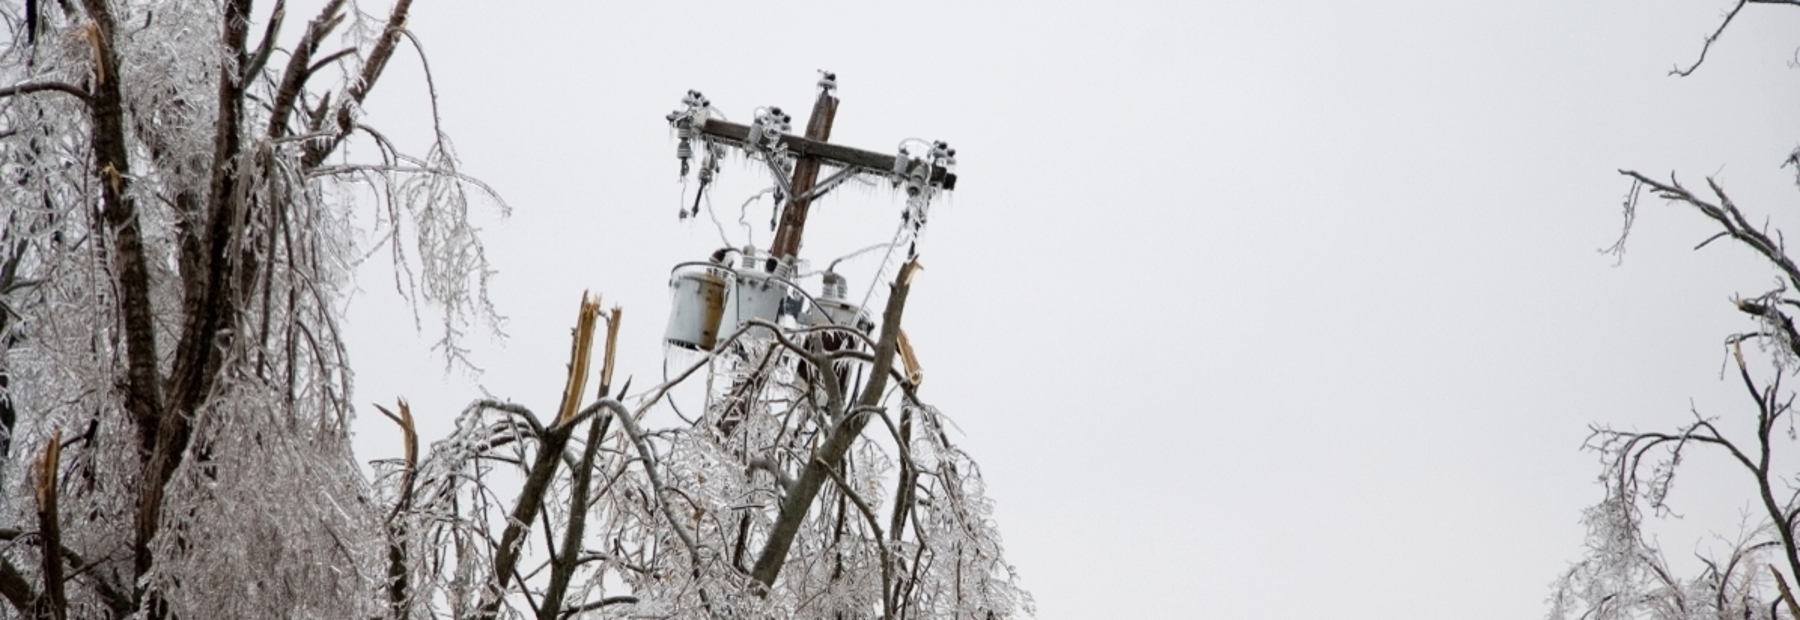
{"x": 811, "y": 151}
{"x": 759, "y": 285}
{"x": 720, "y": 296}
{"x": 806, "y": 173}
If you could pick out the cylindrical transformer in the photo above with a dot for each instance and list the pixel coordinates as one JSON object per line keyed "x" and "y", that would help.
{"x": 696, "y": 304}
{"x": 833, "y": 309}
{"x": 755, "y": 294}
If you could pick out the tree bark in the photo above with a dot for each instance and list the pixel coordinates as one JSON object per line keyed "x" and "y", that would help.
{"x": 55, "y": 600}
{"x": 197, "y": 357}
{"x": 143, "y": 388}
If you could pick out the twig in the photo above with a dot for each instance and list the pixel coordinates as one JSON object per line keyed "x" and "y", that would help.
{"x": 359, "y": 89}
{"x": 1704, "y": 47}
{"x": 1727, "y": 216}
{"x": 651, "y": 467}
{"x": 887, "y": 560}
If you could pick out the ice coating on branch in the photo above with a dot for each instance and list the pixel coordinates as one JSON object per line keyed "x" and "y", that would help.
{"x": 722, "y": 480}
{"x": 263, "y": 511}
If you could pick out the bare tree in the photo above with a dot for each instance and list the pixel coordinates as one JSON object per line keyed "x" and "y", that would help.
{"x": 1624, "y": 573}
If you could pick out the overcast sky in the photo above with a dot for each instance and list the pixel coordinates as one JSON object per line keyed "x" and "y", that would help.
{"x": 1246, "y": 309}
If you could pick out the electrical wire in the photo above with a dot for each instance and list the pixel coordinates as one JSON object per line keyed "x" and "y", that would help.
{"x": 715, "y": 220}
{"x": 744, "y": 214}
{"x": 670, "y": 395}
{"x": 832, "y": 266}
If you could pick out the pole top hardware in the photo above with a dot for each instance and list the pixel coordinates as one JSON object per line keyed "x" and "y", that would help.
{"x": 795, "y": 160}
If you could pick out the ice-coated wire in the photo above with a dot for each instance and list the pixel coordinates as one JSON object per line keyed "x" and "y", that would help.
{"x": 908, "y": 231}
{"x": 744, "y": 215}
{"x": 670, "y": 395}
{"x": 885, "y": 260}
{"x": 714, "y": 216}
{"x": 903, "y": 143}
{"x": 833, "y": 264}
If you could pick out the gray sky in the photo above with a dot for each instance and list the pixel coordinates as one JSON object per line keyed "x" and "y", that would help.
{"x": 1246, "y": 309}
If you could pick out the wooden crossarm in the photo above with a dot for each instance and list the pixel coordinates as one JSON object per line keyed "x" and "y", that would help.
{"x": 836, "y": 154}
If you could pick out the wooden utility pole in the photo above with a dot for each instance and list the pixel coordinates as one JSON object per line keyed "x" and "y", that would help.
{"x": 812, "y": 151}
{"x": 806, "y": 173}
{"x": 921, "y": 174}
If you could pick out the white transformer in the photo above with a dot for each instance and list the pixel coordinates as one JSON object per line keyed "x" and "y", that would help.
{"x": 696, "y": 303}
{"x": 710, "y": 298}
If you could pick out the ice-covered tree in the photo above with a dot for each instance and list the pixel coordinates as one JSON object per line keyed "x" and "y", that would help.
{"x": 178, "y": 220}
{"x": 800, "y": 492}
{"x": 177, "y": 234}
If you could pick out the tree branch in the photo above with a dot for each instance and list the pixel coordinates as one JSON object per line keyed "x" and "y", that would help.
{"x": 50, "y": 529}
{"x": 525, "y": 510}
{"x": 316, "y": 152}
{"x": 1727, "y": 216}
{"x": 1704, "y": 47}
{"x": 1714, "y": 37}
{"x": 38, "y": 87}
{"x": 1787, "y": 596}
{"x": 563, "y": 568}
{"x": 887, "y": 559}
{"x": 605, "y": 602}
{"x": 397, "y": 572}
{"x": 16, "y": 590}
{"x": 112, "y": 166}
{"x": 294, "y": 76}
{"x": 846, "y": 429}
{"x": 261, "y": 56}
{"x": 652, "y": 471}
